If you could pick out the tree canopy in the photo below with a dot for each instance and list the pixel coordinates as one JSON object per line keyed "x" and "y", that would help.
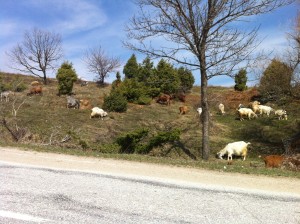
{"x": 276, "y": 80}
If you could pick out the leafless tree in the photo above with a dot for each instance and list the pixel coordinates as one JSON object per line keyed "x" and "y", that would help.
{"x": 292, "y": 56}
{"x": 206, "y": 35}
{"x": 37, "y": 53}
{"x": 99, "y": 62}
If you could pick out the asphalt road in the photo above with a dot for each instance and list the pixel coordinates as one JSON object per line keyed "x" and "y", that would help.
{"x": 31, "y": 194}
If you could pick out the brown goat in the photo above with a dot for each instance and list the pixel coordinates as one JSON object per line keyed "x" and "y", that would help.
{"x": 164, "y": 99}
{"x": 85, "y": 104}
{"x": 273, "y": 161}
{"x": 183, "y": 110}
{"x": 182, "y": 97}
{"x": 35, "y": 83}
{"x": 35, "y": 90}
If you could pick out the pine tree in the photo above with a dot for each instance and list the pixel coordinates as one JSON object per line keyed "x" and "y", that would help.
{"x": 241, "y": 80}
{"x": 168, "y": 78}
{"x": 131, "y": 69}
{"x": 276, "y": 80}
{"x": 66, "y": 76}
{"x": 187, "y": 79}
{"x": 146, "y": 70}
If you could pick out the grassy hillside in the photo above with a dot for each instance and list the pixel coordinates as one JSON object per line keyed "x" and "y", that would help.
{"x": 47, "y": 121}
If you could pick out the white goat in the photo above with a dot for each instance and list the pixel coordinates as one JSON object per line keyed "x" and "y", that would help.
{"x": 254, "y": 106}
{"x": 281, "y": 114}
{"x": 72, "y": 102}
{"x": 199, "y": 110}
{"x": 246, "y": 112}
{"x": 265, "y": 110}
{"x": 241, "y": 106}
{"x": 234, "y": 148}
{"x": 96, "y": 111}
{"x": 221, "y": 108}
{"x": 5, "y": 95}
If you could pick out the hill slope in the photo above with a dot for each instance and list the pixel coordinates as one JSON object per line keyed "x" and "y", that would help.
{"x": 47, "y": 121}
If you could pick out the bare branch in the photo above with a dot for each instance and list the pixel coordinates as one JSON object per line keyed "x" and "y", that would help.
{"x": 37, "y": 54}
{"x": 183, "y": 25}
{"x": 14, "y": 109}
{"x": 97, "y": 61}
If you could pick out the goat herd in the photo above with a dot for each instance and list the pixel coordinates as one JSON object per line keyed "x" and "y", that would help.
{"x": 238, "y": 148}
{"x": 36, "y": 89}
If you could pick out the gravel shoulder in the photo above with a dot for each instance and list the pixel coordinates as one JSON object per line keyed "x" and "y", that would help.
{"x": 156, "y": 172}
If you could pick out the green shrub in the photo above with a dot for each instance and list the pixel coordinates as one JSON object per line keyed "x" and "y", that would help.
{"x": 20, "y": 88}
{"x": 130, "y": 142}
{"x": 66, "y": 76}
{"x": 83, "y": 144}
{"x": 115, "y": 102}
{"x": 111, "y": 148}
{"x": 144, "y": 100}
{"x": 275, "y": 82}
{"x": 4, "y": 87}
{"x": 131, "y": 89}
{"x": 159, "y": 140}
{"x": 241, "y": 80}
{"x": 153, "y": 92}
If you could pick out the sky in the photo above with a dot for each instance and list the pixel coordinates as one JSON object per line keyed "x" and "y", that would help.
{"x": 84, "y": 24}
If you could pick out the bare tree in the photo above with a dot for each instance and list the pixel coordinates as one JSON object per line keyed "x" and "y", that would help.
{"x": 37, "y": 53}
{"x": 292, "y": 56}
{"x": 206, "y": 35}
{"x": 99, "y": 62}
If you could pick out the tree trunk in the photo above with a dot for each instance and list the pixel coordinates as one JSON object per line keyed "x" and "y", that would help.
{"x": 205, "y": 116}
{"x": 45, "y": 78}
{"x": 289, "y": 142}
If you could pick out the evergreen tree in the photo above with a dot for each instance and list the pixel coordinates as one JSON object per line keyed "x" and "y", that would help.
{"x": 115, "y": 102}
{"x": 187, "y": 79}
{"x": 131, "y": 69}
{"x": 240, "y": 80}
{"x": 66, "y": 76}
{"x": 117, "y": 82}
{"x": 146, "y": 70}
{"x": 168, "y": 78}
{"x": 276, "y": 80}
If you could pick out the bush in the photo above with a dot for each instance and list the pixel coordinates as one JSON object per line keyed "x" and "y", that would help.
{"x": 144, "y": 100}
{"x": 130, "y": 142}
{"x": 275, "y": 82}
{"x": 20, "y": 88}
{"x": 159, "y": 140}
{"x": 153, "y": 92}
{"x": 131, "y": 89}
{"x": 66, "y": 76}
{"x": 83, "y": 144}
{"x": 109, "y": 148}
{"x": 241, "y": 80}
{"x": 4, "y": 87}
{"x": 115, "y": 102}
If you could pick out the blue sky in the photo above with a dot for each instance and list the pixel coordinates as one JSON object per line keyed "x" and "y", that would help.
{"x": 89, "y": 23}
